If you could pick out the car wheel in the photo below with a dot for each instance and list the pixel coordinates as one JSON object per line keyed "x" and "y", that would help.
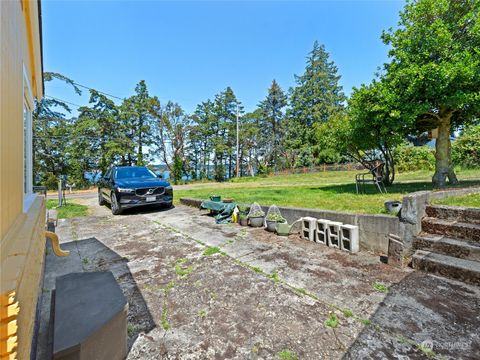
{"x": 101, "y": 200}
{"x": 116, "y": 208}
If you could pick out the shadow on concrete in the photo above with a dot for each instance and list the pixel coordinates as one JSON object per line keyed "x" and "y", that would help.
{"x": 422, "y": 316}
{"x": 102, "y": 258}
{"x": 89, "y": 255}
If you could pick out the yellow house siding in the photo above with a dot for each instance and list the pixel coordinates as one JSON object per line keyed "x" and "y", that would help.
{"x": 22, "y": 236}
{"x": 22, "y": 265}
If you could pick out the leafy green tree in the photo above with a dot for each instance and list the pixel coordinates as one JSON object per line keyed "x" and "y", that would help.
{"x": 98, "y": 137}
{"x": 271, "y": 128}
{"x": 315, "y": 98}
{"x": 374, "y": 127}
{"x": 435, "y": 71}
{"x": 172, "y": 126}
{"x": 51, "y": 135}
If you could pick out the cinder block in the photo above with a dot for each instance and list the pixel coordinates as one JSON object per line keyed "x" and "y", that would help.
{"x": 334, "y": 234}
{"x": 309, "y": 225}
{"x": 349, "y": 238}
{"x": 321, "y": 233}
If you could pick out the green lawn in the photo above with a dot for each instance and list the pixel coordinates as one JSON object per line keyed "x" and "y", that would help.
{"x": 70, "y": 210}
{"x": 472, "y": 200}
{"x": 329, "y": 190}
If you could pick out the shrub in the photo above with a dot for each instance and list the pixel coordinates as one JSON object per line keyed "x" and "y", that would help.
{"x": 413, "y": 158}
{"x": 219, "y": 173}
{"x": 263, "y": 170}
{"x": 466, "y": 148}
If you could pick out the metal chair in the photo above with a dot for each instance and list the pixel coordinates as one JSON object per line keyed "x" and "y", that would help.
{"x": 376, "y": 174}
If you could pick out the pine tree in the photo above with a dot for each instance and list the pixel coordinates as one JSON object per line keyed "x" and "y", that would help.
{"x": 316, "y": 97}
{"x": 272, "y": 116}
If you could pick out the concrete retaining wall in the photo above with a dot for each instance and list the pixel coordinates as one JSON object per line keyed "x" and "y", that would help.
{"x": 373, "y": 229}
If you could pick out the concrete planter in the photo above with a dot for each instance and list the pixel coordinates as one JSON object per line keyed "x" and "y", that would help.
{"x": 257, "y": 221}
{"x": 393, "y": 206}
{"x": 243, "y": 222}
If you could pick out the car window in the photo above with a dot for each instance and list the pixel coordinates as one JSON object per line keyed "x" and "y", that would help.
{"x": 108, "y": 175}
{"x": 133, "y": 172}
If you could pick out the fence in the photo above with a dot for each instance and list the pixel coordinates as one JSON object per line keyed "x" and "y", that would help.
{"x": 321, "y": 168}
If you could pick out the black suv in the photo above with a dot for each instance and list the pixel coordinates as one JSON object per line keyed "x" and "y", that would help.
{"x": 129, "y": 186}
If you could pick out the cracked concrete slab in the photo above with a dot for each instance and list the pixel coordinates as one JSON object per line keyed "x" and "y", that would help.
{"x": 262, "y": 295}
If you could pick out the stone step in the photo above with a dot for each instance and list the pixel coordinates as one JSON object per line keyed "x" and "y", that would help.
{"x": 468, "y": 215}
{"x": 462, "y": 249}
{"x": 448, "y": 266}
{"x": 451, "y": 228}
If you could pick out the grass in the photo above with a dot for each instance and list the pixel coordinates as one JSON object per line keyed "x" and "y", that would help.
{"x": 211, "y": 250}
{"x": 471, "y": 200}
{"x": 287, "y": 355}
{"x": 380, "y": 287}
{"x": 68, "y": 211}
{"x": 332, "y": 321}
{"x": 324, "y": 190}
{"x": 182, "y": 272}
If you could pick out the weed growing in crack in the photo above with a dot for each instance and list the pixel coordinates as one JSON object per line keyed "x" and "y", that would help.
{"x": 347, "y": 313}
{"x": 332, "y": 321}
{"x": 131, "y": 328}
{"x": 183, "y": 272}
{"x": 85, "y": 261}
{"x": 287, "y": 355}
{"x": 170, "y": 285}
{"x": 274, "y": 277}
{"x": 256, "y": 269}
{"x": 365, "y": 322}
{"x": 165, "y": 324}
{"x": 212, "y": 250}
{"x": 300, "y": 291}
{"x": 380, "y": 287}
{"x": 202, "y": 313}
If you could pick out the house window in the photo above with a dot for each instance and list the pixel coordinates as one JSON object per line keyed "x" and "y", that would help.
{"x": 28, "y": 195}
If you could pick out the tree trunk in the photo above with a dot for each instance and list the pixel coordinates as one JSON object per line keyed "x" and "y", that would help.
{"x": 443, "y": 153}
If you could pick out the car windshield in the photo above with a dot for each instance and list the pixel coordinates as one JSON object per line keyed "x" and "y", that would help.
{"x": 133, "y": 172}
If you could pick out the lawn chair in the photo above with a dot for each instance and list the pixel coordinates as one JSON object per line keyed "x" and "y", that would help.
{"x": 376, "y": 174}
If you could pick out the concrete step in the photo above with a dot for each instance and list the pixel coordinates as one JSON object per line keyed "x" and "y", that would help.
{"x": 448, "y": 266}
{"x": 451, "y": 228}
{"x": 440, "y": 244}
{"x": 468, "y": 215}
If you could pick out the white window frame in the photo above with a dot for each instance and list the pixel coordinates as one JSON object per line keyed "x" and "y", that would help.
{"x": 27, "y": 168}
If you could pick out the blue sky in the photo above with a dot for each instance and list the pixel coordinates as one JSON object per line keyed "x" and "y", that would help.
{"x": 187, "y": 51}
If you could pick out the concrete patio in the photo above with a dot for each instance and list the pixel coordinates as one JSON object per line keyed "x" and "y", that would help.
{"x": 259, "y": 296}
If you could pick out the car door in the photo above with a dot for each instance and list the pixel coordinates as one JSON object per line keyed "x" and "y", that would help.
{"x": 106, "y": 184}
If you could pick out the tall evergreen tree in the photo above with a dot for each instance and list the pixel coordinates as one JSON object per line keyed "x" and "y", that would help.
{"x": 225, "y": 108}
{"x": 272, "y": 116}
{"x": 136, "y": 113}
{"x": 314, "y": 99}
